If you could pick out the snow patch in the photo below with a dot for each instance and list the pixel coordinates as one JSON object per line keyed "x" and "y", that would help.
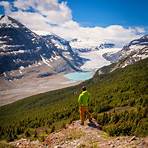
{"x": 58, "y": 44}
{"x": 3, "y": 42}
{"x": 144, "y": 56}
{"x": 5, "y": 74}
{"x": 5, "y": 20}
{"x": 39, "y": 63}
{"x": 21, "y": 51}
{"x": 45, "y": 61}
{"x": 22, "y": 67}
{"x": 20, "y": 71}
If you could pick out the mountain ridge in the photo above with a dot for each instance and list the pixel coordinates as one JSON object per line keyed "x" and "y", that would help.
{"x": 134, "y": 51}
{"x": 22, "y": 41}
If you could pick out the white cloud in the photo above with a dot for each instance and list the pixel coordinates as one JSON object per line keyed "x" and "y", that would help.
{"x": 6, "y": 6}
{"x": 92, "y": 36}
{"x": 55, "y": 12}
{"x": 53, "y": 17}
{"x": 34, "y": 21}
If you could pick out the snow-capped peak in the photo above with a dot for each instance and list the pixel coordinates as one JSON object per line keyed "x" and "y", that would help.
{"x": 6, "y": 21}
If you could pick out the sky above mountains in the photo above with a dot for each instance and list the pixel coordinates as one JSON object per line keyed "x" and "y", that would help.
{"x": 91, "y": 21}
{"x": 108, "y": 12}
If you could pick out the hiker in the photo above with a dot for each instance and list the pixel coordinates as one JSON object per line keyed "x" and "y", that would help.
{"x": 84, "y": 100}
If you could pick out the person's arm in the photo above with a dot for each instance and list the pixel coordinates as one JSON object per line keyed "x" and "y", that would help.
{"x": 89, "y": 101}
{"x": 80, "y": 99}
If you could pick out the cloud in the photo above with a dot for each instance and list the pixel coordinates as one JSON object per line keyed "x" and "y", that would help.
{"x": 51, "y": 16}
{"x": 55, "y": 12}
{"x": 93, "y": 36}
{"x": 6, "y": 6}
{"x": 34, "y": 21}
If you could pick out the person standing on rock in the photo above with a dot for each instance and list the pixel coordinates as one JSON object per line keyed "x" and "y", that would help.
{"x": 84, "y": 100}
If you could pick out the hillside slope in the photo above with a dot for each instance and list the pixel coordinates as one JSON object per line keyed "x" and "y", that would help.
{"x": 119, "y": 104}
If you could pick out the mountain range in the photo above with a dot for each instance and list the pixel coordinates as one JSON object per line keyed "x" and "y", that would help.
{"x": 27, "y": 60}
{"x": 21, "y": 48}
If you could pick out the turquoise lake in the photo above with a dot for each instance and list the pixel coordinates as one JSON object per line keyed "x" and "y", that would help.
{"x": 79, "y": 76}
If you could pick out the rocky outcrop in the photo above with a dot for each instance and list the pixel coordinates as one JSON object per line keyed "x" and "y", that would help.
{"x": 87, "y": 136}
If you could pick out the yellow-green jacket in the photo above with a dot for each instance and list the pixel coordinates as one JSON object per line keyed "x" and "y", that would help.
{"x": 84, "y": 98}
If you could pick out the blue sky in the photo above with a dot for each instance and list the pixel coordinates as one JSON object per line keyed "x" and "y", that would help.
{"x": 108, "y": 12}
{"x": 91, "y": 21}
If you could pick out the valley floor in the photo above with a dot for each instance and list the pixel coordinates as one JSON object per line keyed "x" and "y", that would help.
{"x": 20, "y": 89}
